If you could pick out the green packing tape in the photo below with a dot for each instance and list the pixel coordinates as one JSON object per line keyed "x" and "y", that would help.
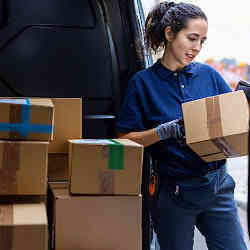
{"x": 115, "y": 155}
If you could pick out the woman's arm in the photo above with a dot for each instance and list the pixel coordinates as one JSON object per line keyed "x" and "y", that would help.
{"x": 167, "y": 130}
{"x": 144, "y": 138}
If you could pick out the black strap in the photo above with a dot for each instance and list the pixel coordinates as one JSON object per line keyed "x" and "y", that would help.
{"x": 242, "y": 83}
{"x": 114, "y": 59}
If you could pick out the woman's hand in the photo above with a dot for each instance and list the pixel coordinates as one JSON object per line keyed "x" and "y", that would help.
{"x": 173, "y": 129}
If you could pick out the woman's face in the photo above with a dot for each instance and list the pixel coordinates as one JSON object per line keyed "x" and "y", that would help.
{"x": 186, "y": 45}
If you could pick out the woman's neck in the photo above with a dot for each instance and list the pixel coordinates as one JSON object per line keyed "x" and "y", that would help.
{"x": 168, "y": 62}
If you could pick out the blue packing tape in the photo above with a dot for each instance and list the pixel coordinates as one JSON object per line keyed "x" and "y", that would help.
{"x": 25, "y": 127}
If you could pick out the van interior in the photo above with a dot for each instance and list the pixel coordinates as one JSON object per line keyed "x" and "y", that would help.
{"x": 80, "y": 48}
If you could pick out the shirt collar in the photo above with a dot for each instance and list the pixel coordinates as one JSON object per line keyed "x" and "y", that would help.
{"x": 190, "y": 69}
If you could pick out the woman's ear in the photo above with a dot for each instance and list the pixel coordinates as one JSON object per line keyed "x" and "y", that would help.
{"x": 169, "y": 35}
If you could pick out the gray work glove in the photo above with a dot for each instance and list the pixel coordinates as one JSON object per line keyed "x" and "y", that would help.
{"x": 173, "y": 129}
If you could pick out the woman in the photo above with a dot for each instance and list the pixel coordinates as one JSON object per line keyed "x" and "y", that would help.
{"x": 192, "y": 192}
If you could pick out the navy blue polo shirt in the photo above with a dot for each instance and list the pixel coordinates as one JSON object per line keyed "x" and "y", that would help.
{"x": 154, "y": 96}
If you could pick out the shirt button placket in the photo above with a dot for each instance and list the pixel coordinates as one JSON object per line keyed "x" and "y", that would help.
{"x": 182, "y": 86}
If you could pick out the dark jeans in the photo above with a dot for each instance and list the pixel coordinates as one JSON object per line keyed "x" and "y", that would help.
{"x": 207, "y": 203}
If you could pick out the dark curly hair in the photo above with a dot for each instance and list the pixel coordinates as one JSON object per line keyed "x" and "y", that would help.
{"x": 175, "y": 15}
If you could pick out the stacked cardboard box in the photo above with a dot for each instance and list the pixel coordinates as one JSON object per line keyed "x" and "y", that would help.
{"x": 100, "y": 207}
{"x": 23, "y": 226}
{"x": 105, "y": 167}
{"x": 26, "y": 127}
{"x": 67, "y": 125}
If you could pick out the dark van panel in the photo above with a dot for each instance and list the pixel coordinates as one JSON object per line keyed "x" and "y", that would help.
{"x": 75, "y": 48}
{"x": 64, "y": 48}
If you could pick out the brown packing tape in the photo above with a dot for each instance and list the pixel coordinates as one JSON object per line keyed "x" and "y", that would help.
{"x": 10, "y": 163}
{"x": 105, "y": 151}
{"x": 15, "y": 117}
{"x": 6, "y": 226}
{"x": 106, "y": 179}
{"x": 213, "y": 117}
{"x": 214, "y": 125}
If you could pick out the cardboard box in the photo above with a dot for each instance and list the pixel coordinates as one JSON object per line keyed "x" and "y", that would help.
{"x": 23, "y": 168}
{"x": 26, "y": 119}
{"x": 23, "y": 226}
{"x": 58, "y": 169}
{"x": 217, "y": 127}
{"x": 105, "y": 167}
{"x": 68, "y": 123}
{"x": 95, "y": 222}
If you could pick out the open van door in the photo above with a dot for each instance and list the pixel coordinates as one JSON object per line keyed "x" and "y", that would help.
{"x": 79, "y": 48}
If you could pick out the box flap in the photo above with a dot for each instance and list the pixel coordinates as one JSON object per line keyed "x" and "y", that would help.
{"x": 34, "y": 101}
{"x": 92, "y": 141}
{"x": 127, "y": 142}
{"x": 60, "y": 190}
{"x": 41, "y": 102}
